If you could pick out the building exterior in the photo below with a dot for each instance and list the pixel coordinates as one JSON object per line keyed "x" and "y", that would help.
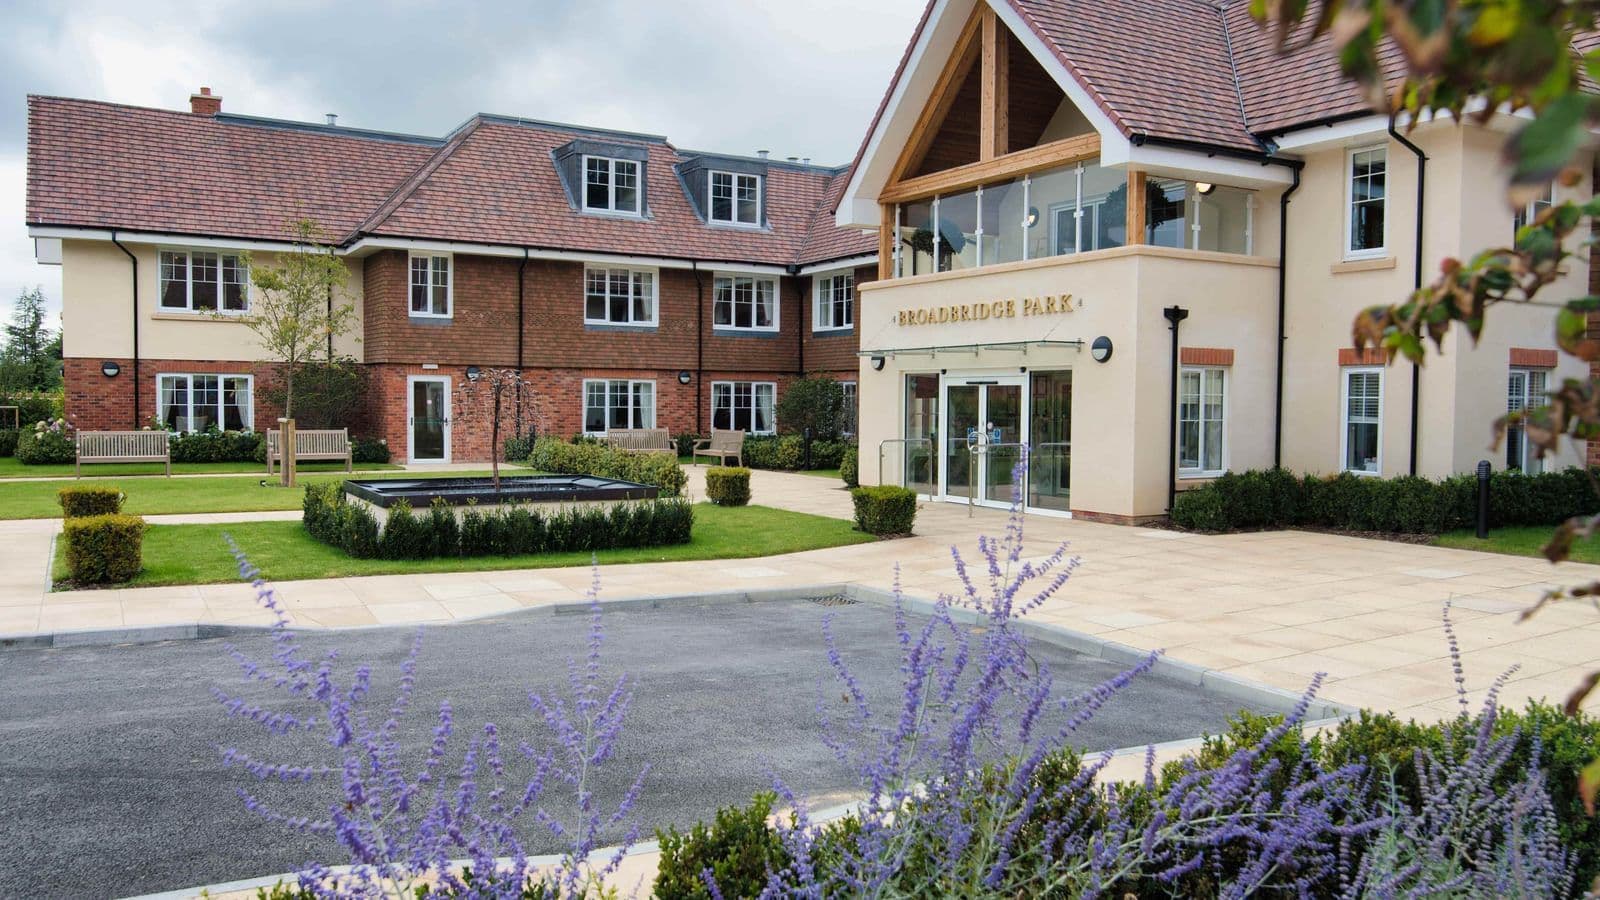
{"x": 634, "y": 283}
{"x": 1131, "y": 238}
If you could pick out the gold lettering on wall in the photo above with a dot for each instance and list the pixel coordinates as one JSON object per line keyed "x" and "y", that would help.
{"x": 1046, "y": 305}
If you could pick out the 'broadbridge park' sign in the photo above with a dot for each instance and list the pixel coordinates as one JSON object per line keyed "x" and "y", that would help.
{"x": 944, "y": 314}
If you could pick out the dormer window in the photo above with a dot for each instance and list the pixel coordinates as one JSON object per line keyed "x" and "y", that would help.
{"x": 610, "y": 185}
{"x": 735, "y": 198}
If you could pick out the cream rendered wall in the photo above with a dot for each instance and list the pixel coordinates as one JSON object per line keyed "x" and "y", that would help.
{"x": 96, "y": 320}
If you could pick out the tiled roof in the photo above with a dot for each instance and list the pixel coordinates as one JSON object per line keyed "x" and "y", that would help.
{"x": 491, "y": 181}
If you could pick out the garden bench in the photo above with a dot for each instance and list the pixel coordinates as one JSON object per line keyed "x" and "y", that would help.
{"x": 122, "y": 447}
{"x": 333, "y": 443}
{"x": 724, "y": 445}
{"x": 644, "y": 440}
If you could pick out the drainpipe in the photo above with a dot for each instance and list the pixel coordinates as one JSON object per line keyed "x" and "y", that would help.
{"x": 800, "y": 319}
{"x": 699, "y": 345}
{"x": 1416, "y": 281}
{"x": 135, "y": 260}
{"x": 521, "y": 317}
{"x": 1283, "y": 327}
{"x": 1174, "y": 315}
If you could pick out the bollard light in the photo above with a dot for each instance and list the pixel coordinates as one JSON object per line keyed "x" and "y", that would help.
{"x": 1483, "y": 499}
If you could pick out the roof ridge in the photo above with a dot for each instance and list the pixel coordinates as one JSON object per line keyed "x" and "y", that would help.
{"x": 409, "y": 186}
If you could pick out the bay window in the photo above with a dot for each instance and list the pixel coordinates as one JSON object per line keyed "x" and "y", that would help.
{"x": 735, "y": 198}
{"x": 204, "y": 281}
{"x": 1201, "y": 411}
{"x": 1525, "y": 391}
{"x": 619, "y": 403}
{"x": 743, "y": 406}
{"x": 610, "y": 185}
{"x": 430, "y": 285}
{"x": 619, "y": 297}
{"x": 835, "y": 302}
{"x": 745, "y": 303}
{"x": 201, "y": 402}
{"x": 1361, "y": 439}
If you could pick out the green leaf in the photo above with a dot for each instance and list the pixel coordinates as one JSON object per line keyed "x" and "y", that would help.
{"x": 1588, "y": 782}
{"x": 1548, "y": 144}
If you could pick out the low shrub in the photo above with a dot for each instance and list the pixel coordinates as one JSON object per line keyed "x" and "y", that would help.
{"x": 594, "y": 458}
{"x": 373, "y": 450}
{"x": 404, "y": 535}
{"x": 787, "y": 452}
{"x": 850, "y": 466}
{"x": 215, "y": 446}
{"x": 685, "y": 442}
{"x": 1199, "y": 509}
{"x": 104, "y": 549}
{"x": 516, "y": 447}
{"x": 738, "y": 848}
{"x": 8, "y": 441}
{"x": 885, "y": 509}
{"x": 78, "y": 502}
{"x": 46, "y": 443}
{"x": 728, "y": 485}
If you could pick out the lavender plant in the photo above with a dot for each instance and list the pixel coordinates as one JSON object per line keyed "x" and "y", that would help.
{"x": 409, "y": 825}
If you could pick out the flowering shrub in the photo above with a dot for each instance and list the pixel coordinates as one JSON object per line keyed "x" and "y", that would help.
{"x": 46, "y": 443}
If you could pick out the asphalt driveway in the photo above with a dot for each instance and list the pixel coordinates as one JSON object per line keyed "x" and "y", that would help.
{"x": 111, "y": 783}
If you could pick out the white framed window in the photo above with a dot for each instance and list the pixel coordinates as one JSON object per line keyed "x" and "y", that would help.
{"x": 1361, "y": 437}
{"x": 1366, "y": 202}
{"x": 430, "y": 285}
{"x": 745, "y": 302}
{"x": 619, "y": 296}
{"x": 1533, "y": 208}
{"x": 744, "y": 405}
{"x": 849, "y": 412}
{"x": 610, "y": 185}
{"x": 618, "y": 403}
{"x": 204, "y": 281}
{"x": 735, "y": 199}
{"x": 1202, "y": 418}
{"x": 197, "y": 402}
{"x": 1525, "y": 390}
{"x": 835, "y": 302}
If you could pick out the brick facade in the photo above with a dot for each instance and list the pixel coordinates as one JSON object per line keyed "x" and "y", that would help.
{"x": 97, "y": 403}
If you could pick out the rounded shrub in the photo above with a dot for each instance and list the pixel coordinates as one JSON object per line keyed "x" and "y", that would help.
{"x": 884, "y": 509}
{"x": 850, "y": 467}
{"x": 1200, "y": 509}
{"x": 104, "y": 549}
{"x": 728, "y": 485}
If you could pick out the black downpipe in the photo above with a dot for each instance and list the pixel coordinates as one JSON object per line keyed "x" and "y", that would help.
{"x": 1283, "y": 325}
{"x": 521, "y": 319}
{"x": 1416, "y": 283}
{"x": 699, "y": 346}
{"x": 1174, "y": 315}
{"x": 800, "y": 317}
{"x": 135, "y": 261}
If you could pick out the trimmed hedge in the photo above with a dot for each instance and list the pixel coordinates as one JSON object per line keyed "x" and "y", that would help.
{"x": 216, "y": 446}
{"x": 104, "y": 549}
{"x": 1408, "y": 504}
{"x": 728, "y": 485}
{"x": 593, "y": 458}
{"x": 505, "y": 531}
{"x": 850, "y": 467}
{"x": 78, "y": 502}
{"x": 46, "y": 446}
{"x": 373, "y": 450}
{"x": 787, "y": 452}
{"x": 8, "y": 441}
{"x": 884, "y": 509}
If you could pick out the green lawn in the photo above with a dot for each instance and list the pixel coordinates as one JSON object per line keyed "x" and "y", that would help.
{"x": 197, "y": 554}
{"x": 10, "y": 468}
{"x": 1522, "y": 541}
{"x": 156, "y": 496}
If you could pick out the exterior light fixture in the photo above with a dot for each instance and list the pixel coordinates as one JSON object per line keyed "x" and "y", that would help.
{"x": 1033, "y": 217}
{"x": 474, "y": 373}
{"x": 1101, "y": 349}
{"x": 110, "y": 369}
{"x": 877, "y": 363}
{"x": 1204, "y": 187}
{"x": 684, "y": 377}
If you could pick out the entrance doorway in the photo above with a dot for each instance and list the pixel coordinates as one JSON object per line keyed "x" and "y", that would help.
{"x": 979, "y": 426}
{"x": 983, "y": 438}
{"x": 428, "y": 422}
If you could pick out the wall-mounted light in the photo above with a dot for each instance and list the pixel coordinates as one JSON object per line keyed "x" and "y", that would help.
{"x": 684, "y": 377}
{"x": 1101, "y": 349}
{"x": 1204, "y": 187}
{"x": 877, "y": 363}
{"x": 1033, "y": 217}
{"x": 110, "y": 369}
{"x": 474, "y": 373}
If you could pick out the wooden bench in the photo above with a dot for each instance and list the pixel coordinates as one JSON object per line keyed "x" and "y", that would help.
{"x": 643, "y": 440}
{"x": 122, "y": 447}
{"x": 311, "y": 444}
{"x": 724, "y": 445}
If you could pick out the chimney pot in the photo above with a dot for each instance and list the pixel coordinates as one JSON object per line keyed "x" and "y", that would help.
{"x": 205, "y": 103}
{"x": 763, "y": 153}
{"x": 333, "y": 118}
{"x": 794, "y": 159}
{"x": 806, "y": 160}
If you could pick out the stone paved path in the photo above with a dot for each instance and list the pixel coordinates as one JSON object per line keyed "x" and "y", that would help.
{"x": 1274, "y": 607}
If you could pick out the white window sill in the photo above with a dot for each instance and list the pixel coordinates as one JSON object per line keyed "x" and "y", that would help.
{"x": 1196, "y": 475}
{"x": 435, "y": 316}
{"x": 1363, "y": 473}
{"x": 743, "y": 226}
{"x": 1370, "y": 263}
{"x": 736, "y": 330}
{"x": 606, "y": 323}
{"x": 612, "y": 213}
{"x": 843, "y": 329}
{"x": 202, "y": 315}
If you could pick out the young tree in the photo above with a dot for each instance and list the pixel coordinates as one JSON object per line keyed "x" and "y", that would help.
{"x": 816, "y": 404}
{"x": 298, "y": 305}
{"x": 495, "y": 396}
{"x": 32, "y": 355}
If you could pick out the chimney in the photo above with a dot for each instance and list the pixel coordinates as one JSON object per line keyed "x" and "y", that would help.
{"x": 204, "y": 104}
{"x": 333, "y": 118}
{"x": 794, "y": 159}
{"x": 805, "y": 160}
{"x": 763, "y": 153}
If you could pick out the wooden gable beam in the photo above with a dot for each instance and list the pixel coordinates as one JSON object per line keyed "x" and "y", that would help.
{"x": 944, "y": 95}
{"x": 1011, "y": 165}
{"x": 995, "y": 117}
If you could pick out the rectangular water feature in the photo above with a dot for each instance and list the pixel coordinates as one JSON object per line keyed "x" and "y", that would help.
{"x": 567, "y": 490}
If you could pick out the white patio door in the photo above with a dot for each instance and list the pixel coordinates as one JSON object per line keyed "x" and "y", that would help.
{"x": 428, "y": 419}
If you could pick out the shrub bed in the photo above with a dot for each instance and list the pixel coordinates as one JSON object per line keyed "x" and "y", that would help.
{"x": 46, "y": 443}
{"x": 787, "y": 452}
{"x": 728, "y": 485}
{"x": 103, "y": 549}
{"x": 213, "y": 445}
{"x": 1275, "y": 498}
{"x": 885, "y": 509}
{"x": 376, "y": 450}
{"x": 78, "y": 502}
{"x": 593, "y": 458}
{"x": 8, "y": 441}
{"x": 504, "y": 531}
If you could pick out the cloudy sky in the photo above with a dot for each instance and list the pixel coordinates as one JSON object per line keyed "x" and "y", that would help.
{"x": 796, "y": 78}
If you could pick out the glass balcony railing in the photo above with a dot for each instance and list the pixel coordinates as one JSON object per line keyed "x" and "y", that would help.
{"x": 1073, "y": 209}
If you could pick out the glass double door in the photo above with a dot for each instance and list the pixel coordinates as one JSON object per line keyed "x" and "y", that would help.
{"x": 983, "y": 438}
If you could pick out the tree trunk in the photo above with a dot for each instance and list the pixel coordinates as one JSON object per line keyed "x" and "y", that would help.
{"x": 494, "y": 441}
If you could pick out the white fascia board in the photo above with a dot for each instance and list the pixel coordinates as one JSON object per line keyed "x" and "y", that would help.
{"x": 849, "y": 262}
{"x": 47, "y": 251}
{"x": 368, "y": 244}
{"x": 1363, "y": 129}
{"x": 1193, "y": 165}
{"x": 147, "y": 237}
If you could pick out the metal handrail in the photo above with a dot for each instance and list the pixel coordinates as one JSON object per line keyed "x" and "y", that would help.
{"x": 928, "y": 441}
